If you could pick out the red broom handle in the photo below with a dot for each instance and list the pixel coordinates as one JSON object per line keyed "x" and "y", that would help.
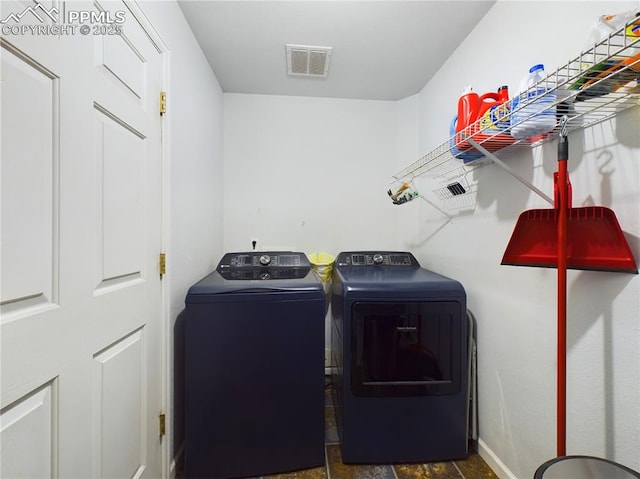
{"x": 563, "y": 153}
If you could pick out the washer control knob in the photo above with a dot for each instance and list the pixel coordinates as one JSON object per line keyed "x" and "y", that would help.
{"x": 377, "y": 258}
{"x": 265, "y": 259}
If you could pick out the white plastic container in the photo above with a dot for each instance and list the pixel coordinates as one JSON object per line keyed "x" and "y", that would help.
{"x": 533, "y": 108}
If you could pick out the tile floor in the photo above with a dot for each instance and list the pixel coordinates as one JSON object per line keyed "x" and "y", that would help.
{"x": 473, "y": 467}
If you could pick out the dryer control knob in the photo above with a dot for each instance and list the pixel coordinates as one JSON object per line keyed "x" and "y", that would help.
{"x": 377, "y": 258}
{"x": 265, "y": 259}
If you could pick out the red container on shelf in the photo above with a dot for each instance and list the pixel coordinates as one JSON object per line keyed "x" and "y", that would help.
{"x": 484, "y": 118}
{"x": 468, "y": 107}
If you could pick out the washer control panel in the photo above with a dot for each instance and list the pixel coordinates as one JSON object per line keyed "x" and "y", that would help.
{"x": 374, "y": 258}
{"x": 263, "y": 265}
{"x": 253, "y": 260}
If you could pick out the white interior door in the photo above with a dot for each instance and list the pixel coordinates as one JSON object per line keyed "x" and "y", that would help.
{"x": 80, "y": 287}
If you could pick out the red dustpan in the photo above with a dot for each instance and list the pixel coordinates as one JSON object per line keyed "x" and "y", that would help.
{"x": 595, "y": 240}
{"x": 552, "y": 238}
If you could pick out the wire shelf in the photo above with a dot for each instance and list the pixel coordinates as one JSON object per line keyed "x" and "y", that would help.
{"x": 589, "y": 89}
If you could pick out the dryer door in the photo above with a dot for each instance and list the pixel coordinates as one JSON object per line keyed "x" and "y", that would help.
{"x": 407, "y": 348}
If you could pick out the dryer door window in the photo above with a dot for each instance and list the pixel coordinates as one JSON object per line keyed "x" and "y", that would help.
{"x": 406, "y": 349}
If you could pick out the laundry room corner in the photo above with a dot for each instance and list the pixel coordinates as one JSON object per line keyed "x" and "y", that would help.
{"x": 312, "y": 175}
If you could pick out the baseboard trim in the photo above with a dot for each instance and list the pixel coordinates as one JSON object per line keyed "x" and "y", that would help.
{"x": 494, "y": 462}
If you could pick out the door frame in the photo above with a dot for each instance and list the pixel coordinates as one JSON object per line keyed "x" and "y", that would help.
{"x": 156, "y": 39}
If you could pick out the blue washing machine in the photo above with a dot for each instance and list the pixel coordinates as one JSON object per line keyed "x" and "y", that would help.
{"x": 254, "y": 378}
{"x": 400, "y": 346}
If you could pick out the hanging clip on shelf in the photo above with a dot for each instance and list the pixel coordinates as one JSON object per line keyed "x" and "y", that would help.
{"x": 407, "y": 192}
{"x": 403, "y": 194}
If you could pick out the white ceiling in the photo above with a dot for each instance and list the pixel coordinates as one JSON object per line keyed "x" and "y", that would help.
{"x": 382, "y": 50}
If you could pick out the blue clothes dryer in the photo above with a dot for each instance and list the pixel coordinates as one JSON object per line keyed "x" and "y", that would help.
{"x": 399, "y": 341}
{"x": 254, "y": 360}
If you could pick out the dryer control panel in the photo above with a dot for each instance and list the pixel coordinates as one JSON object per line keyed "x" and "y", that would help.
{"x": 375, "y": 258}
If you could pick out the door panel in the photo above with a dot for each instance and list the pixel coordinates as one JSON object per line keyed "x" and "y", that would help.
{"x": 29, "y": 204}
{"x": 119, "y": 403}
{"x": 120, "y": 154}
{"x": 28, "y": 435}
{"x": 119, "y": 58}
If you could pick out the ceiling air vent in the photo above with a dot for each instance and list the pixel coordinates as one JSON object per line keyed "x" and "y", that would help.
{"x": 309, "y": 61}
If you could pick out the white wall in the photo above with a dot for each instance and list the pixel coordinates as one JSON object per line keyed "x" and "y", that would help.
{"x": 516, "y": 306}
{"x": 194, "y": 232}
{"x": 309, "y": 174}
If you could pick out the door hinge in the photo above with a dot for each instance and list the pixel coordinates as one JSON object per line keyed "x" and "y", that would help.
{"x": 162, "y": 424}
{"x": 163, "y": 264}
{"x": 163, "y": 103}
